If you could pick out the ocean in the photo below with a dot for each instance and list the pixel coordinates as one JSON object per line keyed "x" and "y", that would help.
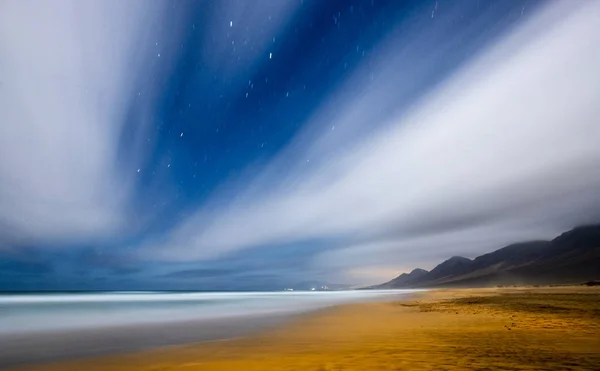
{"x": 23, "y": 313}
{"x": 36, "y": 327}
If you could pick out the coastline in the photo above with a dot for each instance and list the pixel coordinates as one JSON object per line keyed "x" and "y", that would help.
{"x": 37, "y": 329}
{"x": 42, "y": 348}
{"x": 449, "y": 329}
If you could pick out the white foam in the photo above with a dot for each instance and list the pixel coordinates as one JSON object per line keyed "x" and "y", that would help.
{"x": 65, "y": 312}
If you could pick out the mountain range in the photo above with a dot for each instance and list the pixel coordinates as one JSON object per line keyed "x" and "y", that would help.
{"x": 572, "y": 257}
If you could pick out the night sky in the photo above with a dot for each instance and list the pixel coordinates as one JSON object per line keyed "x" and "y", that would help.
{"x": 261, "y": 144}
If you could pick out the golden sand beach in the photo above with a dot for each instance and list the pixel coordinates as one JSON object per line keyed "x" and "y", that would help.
{"x": 483, "y": 329}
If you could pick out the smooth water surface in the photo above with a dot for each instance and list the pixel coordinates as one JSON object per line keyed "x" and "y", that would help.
{"x": 25, "y": 313}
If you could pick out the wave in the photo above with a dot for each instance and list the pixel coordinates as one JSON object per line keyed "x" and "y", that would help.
{"x": 27, "y": 313}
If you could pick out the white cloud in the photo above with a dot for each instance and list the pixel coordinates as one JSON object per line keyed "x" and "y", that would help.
{"x": 67, "y": 74}
{"x": 513, "y": 136}
{"x": 72, "y": 74}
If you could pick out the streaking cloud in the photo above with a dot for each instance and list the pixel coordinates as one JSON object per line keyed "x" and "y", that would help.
{"x": 74, "y": 75}
{"x": 232, "y": 145}
{"x": 510, "y": 139}
{"x": 66, "y": 79}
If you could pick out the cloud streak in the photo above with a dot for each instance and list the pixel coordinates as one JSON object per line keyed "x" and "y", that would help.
{"x": 509, "y": 141}
{"x": 67, "y": 71}
{"x": 384, "y": 166}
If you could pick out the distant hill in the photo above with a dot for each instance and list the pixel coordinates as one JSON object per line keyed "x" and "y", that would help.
{"x": 572, "y": 257}
{"x": 405, "y": 279}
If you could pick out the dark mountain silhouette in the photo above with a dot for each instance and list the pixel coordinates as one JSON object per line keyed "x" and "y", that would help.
{"x": 572, "y": 257}
{"x": 453, "y": 266}
{"x": 405, "y": 279}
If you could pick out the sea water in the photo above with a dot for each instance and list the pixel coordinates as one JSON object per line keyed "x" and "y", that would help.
{"x": 51, "y": 312}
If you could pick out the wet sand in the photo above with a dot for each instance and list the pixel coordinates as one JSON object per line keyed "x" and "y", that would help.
{"x": 513, "y": 329}
{"x": 36, "y": 348}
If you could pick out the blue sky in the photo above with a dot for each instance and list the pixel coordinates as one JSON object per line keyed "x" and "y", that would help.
{"x": 255, "y": 145}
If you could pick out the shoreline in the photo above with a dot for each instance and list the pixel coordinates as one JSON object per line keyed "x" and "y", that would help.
{"x": 32, "y": 349}
{"x": 27, "y": 348}
{"x": 448, "y": 328}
